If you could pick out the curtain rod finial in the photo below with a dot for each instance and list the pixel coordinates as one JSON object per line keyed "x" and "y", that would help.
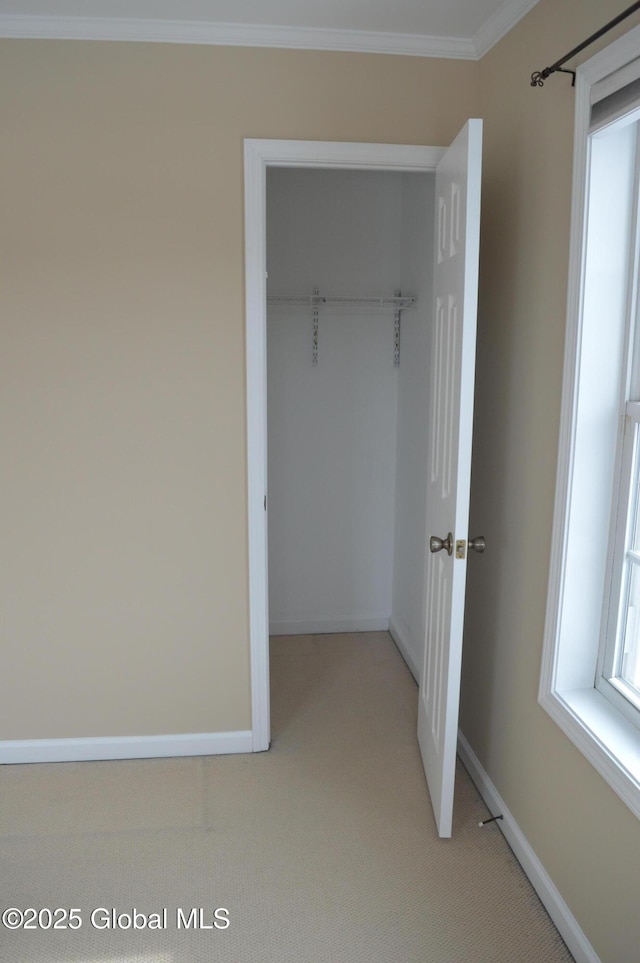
{"x": 538, "y": 77}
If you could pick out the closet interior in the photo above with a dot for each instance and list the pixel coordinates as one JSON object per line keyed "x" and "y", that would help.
{"x": 349, "y": 291}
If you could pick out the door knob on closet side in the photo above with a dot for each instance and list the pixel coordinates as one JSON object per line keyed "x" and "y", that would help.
{"x": 437, "y": 544}
{"x": 478, "y": 544}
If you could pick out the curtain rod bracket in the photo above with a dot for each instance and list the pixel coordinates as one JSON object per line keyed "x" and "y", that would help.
{"x": 538, "y": 77}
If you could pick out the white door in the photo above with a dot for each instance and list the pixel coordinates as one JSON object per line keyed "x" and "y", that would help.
{"x": 449, "y": 471}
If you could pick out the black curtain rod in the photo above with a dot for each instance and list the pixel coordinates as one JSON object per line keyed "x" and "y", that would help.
{"x": 539, "y": 76}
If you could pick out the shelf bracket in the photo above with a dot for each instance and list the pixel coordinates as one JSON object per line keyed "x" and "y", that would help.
{"x": 396, "y": 333}
{"x": 316, "y": 319}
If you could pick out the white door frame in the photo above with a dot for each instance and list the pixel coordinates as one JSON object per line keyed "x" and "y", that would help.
{"x": 258, "y": 155}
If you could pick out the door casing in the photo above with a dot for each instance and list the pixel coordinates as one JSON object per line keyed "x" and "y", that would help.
{"x": 258, "y": 155}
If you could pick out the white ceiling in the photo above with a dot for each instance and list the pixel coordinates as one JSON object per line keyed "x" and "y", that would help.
{"x": 457, "y": 28}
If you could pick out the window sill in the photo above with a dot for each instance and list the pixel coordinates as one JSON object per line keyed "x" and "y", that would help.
{"x": 608, "y": 740}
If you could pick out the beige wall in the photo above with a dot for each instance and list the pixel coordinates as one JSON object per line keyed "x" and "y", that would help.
{"x": 587, "y": 839}
{"x": 122, "y": 421}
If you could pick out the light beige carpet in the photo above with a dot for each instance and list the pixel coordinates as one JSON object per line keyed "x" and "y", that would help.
{"x": 323, "y": 850}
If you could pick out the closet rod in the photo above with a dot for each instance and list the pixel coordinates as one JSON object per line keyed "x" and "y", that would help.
{"x": 320, "y": 299}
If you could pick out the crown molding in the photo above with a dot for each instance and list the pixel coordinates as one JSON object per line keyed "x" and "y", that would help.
{"x": 258, "y": 35}
{"x": 233, "y": 35}
{"x": 498, "y": 25}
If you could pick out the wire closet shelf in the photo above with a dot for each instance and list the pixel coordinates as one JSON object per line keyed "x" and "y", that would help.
{"x": 397, "y": 302}
{"x": 320, "y": 300}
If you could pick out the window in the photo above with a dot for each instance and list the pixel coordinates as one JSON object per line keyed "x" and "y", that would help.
{"x": 590, "y": 681}
{"x": 618, "y": 676}
{"x": 611, "y": 285}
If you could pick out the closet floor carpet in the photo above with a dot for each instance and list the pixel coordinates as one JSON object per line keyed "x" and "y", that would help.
{"x": 323, "y": 850}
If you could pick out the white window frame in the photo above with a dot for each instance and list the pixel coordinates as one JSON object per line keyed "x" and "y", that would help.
{"x": 625, "y": 517}
{"x": 572, "y": 643}
{"x": 617, "y": 140}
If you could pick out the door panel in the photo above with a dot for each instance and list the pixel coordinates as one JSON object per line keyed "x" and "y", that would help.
{"x": 449, "y": 475}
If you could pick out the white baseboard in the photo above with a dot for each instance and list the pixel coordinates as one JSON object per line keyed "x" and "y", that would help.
{"x": 553, "y": 902}
{"x": 401, "y": 635}
{"x": 329, "y": 626}
{"x": 124, "y": 747}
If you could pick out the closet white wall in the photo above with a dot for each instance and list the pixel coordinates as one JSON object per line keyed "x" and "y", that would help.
{"x": 407, "y": 623}
{"x": 337, "y": 436}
